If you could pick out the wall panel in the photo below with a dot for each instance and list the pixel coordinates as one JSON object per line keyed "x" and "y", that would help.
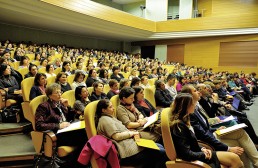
{"x": 205, "y": 51}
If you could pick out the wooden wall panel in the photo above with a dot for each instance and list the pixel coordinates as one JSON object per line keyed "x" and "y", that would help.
{"x": 175, "y": 53}
{"x": 242, "y": 53}
{"x": 205, "y": 51}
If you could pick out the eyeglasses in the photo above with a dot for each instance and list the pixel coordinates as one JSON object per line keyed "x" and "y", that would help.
{"x": 58, "y": 92}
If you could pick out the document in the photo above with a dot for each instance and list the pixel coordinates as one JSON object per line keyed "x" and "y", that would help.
{"x": 73, "y": 126}
{"x": 152, "y": 119}
{"x": 230, "y": 129}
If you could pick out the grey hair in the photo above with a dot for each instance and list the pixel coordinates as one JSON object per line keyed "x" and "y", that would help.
{"x": 51, "y": 88}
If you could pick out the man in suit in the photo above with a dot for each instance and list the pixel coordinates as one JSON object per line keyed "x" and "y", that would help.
{"x": 210, "y": 103}
{"x": 239, "y": 140}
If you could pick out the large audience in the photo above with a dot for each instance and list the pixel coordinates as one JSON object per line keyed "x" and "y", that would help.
{"x": 199, "y": 99}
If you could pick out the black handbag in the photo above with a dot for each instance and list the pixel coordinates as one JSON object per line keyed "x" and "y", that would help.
{"x": 11, "y": 114}
{"x": 42, "y": 161}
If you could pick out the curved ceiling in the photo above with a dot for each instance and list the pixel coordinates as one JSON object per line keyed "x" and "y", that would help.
{"x": 40, "y": 15}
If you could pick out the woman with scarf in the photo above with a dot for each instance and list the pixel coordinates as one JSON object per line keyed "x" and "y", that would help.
{"x": 142, "y": 104}
{"x": 38, "y": 89}
{"x": 129, "y": 115}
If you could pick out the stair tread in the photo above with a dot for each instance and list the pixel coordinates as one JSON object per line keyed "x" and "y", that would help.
{"x": 16, "y": 145}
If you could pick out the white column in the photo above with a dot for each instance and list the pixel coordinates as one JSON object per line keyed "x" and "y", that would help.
{"x": 185, "y": 9}
{"x": 161, "y": 52}
{"x": 156, "y": 10}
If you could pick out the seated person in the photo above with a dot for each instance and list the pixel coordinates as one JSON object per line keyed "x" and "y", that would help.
{"x": 55, "y": 114}
{"x": 124, "y": 82}
{"x": 113, "y": 84}
{"x": 66, "y": 67}
{"x": 241, "y": 142}
{"x": 186, "y": 145}
{"x": 9, "y": 84}
{"x": 162, "y": 96}
{"x": 211, "y": 104}
{"x": 135, "y": 81}
{"x": 24, "y": 63}
{"x": 103, "y": 76}
{"x": 81, "y": 99}
{"x": 171, "y": 79}
{"x": 61, "y": 79}
{"x": 116, "y": 75}
{"x": 50, "y": 70}
{"x": 142, "y": 104}
{"x": 98, "y": 93}
{"x": 145, "y": 82}
{"x": 39, "y": 86}
{"x": 110, "y": 127}
{"x": 78, "y": 80}
{"x": 133, "y": 74}
{"x": 92, "y": 77}
{"x": 33, "y": 70}
{"x": 128, "y": 114}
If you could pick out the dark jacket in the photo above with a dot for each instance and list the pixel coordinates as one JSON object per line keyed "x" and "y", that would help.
{"x": 145, "y": 111}
{"x": 163, "y": 98}
{"x": 90, "y": 81}
{"x": 34, "y": 92}
{"x": 210, "y": 108}
{"x": 185, "y": 142}
{"x": 113, "y": 76}
{"x": 9, "y": 82}
{"x": 65, "y": 88}
{"x": 48, "y": 116}
{"x": 28, "y": 75}
{"x": 110, "y": 94}
{"x": 94, "y": 97}
{"x": 204, "y": 132}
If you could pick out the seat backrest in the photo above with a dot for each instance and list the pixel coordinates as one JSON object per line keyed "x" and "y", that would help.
{"x": 42, "y": 70}
{"x": 152, "y": 81}
{"x": 33, "y": 107}
{"x": 90, "y": 90}
{"x": 57, "y": 70}
{"x": 70, "y": 79}
{"x": 23, "y": 71}
{"x": 26, "y": 85}
{"x": 70, "y": 95}
{"x": 115, "y": 102}
{"x": 51, "y": 80}
{"x": 89, "y": 118}
{"x": 166, "y": 134}
{"x": 149, "y": 94}
{"x": 106, "y": 88}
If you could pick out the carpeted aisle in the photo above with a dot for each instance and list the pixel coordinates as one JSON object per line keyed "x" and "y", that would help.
{"x": 252, "y": 114}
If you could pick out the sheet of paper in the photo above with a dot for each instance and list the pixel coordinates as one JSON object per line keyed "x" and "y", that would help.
{"x": 152, "y": 119}
{"x": 230, "y": 129}
{"x": 229, "y": 118}
{"x": 74, "y": 126}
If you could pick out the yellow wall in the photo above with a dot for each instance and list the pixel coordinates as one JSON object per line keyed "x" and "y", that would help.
{"x": 205, "y": 52}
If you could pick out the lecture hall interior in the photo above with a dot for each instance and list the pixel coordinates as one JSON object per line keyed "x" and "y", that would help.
{"x": 221, "y": 35}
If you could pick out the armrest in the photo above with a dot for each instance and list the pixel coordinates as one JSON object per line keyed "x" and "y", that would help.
{"x": 2, "y": 98}
{"x": 37, "y": 138}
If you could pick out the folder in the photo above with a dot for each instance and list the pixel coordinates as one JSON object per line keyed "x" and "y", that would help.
{"x": 146, "y": 143}
{"x": 230, "y": 129}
